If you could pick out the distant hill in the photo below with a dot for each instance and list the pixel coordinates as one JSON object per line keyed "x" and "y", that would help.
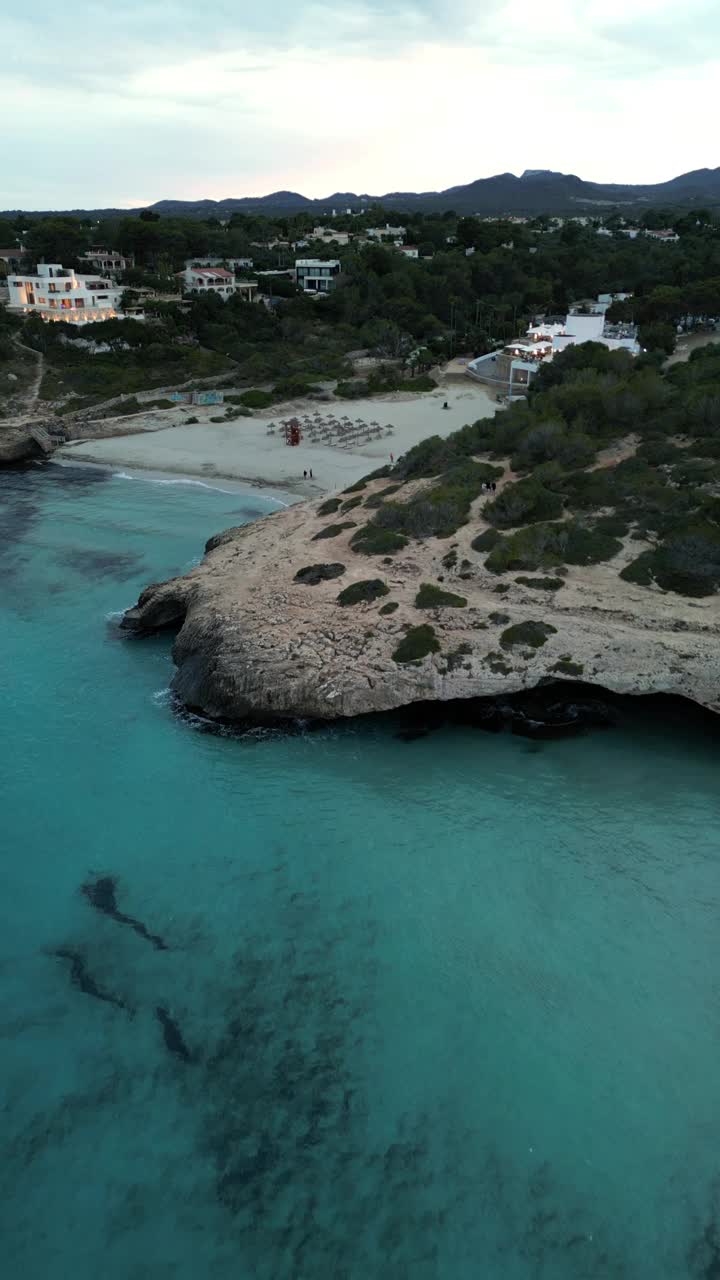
{"x": 536, "y": 191}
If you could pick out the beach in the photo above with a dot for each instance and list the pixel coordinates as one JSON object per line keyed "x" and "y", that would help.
{"x": 243, "y": 450}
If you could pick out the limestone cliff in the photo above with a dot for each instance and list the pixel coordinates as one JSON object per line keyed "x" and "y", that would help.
{"x": 256, "y": 643}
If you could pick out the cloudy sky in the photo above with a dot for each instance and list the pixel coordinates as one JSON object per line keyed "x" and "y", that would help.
{"x": 124, "y": 104}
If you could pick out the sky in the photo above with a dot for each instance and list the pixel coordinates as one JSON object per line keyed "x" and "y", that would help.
{"x": 119, "y": 105}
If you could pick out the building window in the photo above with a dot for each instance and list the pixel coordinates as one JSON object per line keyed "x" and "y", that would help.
{"x": 79, "y": 302}
{"x": 52, "y": 288}
{"x": 53, "y": 303}
{"x": 42, "y": 301}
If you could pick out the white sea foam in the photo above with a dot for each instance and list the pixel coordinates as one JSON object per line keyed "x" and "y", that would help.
{"x": 201, "y": 484}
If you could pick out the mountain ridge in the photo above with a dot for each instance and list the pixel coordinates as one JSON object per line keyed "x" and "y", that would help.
{"x": 535, "y": 191}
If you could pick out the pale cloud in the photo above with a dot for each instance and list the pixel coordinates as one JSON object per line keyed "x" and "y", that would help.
{"x": 178, "y": 99}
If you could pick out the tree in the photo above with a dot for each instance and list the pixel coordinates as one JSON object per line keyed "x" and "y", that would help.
{"x": 658, "y": 337}
{"x": 57, "y": 240}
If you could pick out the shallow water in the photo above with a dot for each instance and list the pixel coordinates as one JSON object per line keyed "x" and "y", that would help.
{"x": 451, "y": 1006}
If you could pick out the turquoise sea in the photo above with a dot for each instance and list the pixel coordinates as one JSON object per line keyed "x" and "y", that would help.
{"x": 446, "y": 1009}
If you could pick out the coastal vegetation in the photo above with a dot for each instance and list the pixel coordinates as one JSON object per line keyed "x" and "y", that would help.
{"x": 363, "y": 592}
{"x": 431, "y": 597}
{"x": 416, "y": 644}
{"x": 406, "y": 315}
{"x": 650, "y": 475}
{"x": 532, "y": 635}
{"x": 313, "y": 574}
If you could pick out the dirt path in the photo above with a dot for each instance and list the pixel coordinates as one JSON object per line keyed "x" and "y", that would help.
{"x": 689, "y": 343}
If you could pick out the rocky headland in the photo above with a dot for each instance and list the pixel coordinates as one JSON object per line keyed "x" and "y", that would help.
{"x": 574, "y": 537}
{"x": 284, "y": 618}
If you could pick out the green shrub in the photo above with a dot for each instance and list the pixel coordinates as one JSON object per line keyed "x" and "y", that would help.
{"x": 332, "y": 530}
{"x": 371, "y": 541}
{"x": 486, "y": 541}
{"x": 454, "y": 659}
{"x": 390, "y": 607}
{"x": 416, "y": 644}
{"x": 542, "y": 584}
{"x": 524, "y": 502}
{"x": 498, "y": 619}
{"x": 329, "y": 507}
{"x": 131, "y": 405}
{"x": 686, "y": 562}
{"x": 543, "y": 545}
{"x": 431, "y": 597}
{"x": 659, "y": 452}
{"x": 377, "y": 499}
{"x": 363, "y": 592}
{"x": 353, "y": 389}
{"x": 352, "y": 503}
{"x": 449, "y": 560}
{"x": 313, "y": 574}
{"x": 531, "y": 634}
{"x": 497, "y": 664}
{"x": 439, "y": 510}
{"x": 614, "y": 526}
{"x": 568, "y": 668}
{"x": 256, "y": 399}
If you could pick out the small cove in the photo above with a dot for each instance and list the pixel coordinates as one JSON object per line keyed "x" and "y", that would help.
{"x": 449, "y": 1005}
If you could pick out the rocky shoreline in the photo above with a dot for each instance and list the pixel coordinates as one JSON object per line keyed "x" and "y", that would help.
{"x": 260, "y": 640}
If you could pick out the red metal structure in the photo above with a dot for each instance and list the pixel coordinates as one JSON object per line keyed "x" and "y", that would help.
{"x": 293, "y": 434}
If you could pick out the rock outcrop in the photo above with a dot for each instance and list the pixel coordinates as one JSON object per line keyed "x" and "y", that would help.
{"x": 255, "y": 644}
{"x": 25, "y": 439}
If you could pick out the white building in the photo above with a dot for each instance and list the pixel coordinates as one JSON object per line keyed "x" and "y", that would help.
{"x": 57, "y": 293}
{"x": 386, "y": 233}
{"x": 107, "y": 261}
{"x": 665, "y": 236}
{"x": 313, "y": 275}
{"x": 409, "y": 250}
{"x": 234, "y": 264}
{"x": 515, "y": 366}
{"x": 328, "y": 234}
{"x": 587, "y": 323}
{"x": 217, "y": 280}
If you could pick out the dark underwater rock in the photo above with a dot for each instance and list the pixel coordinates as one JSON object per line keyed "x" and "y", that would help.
{"x": 81, "y": 979}
{"x": 172, "y": 1035}
{"x": 100, "y": 894}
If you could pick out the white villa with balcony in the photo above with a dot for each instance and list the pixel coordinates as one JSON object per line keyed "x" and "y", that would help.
{"x": 107, "y": 261}
{"x": 58, "y": 293}
{"x": 515, "y": 365}
{"x": 217, "y": 280}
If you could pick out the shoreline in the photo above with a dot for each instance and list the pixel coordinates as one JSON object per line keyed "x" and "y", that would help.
{"x": 252, "y": 451}
{"x": 283, "y": 497}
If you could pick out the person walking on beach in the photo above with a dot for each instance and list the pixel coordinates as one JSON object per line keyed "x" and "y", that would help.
{"x": 311, "y": 475}
{"x": 304, "y": 475}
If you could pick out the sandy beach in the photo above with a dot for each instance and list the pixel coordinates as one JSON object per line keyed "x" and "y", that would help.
{"x": 242, "y": 450}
